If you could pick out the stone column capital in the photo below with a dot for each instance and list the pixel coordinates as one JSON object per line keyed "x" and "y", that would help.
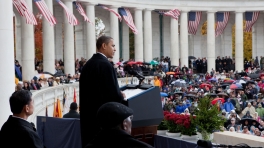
{"x": 239, "y": 11}
{"x": 184, "y": 11}
{"x": 148, "y": 9}
{"x": 139, "y": 9}
{"x": 90, "y": 4}
{"x": 211, "y": 11}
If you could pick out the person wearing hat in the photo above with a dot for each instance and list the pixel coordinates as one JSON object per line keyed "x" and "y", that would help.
{"x": 98, "y": 78}
{"x": 73, "y": 111}
{"x": 115, "y": 121}
{"x": 57, "y": 81}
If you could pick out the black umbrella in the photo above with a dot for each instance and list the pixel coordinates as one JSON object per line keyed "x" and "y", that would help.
{"x": 250, "y": 121}
{"x": 191, "y": 57}
{"x": 250, "y": 81}
{"x": 59, "y": 74}
{"x": 254, "y": 76}
{"x": 125, "y": 62}
{"x": 190, "y": 95}
{"x": 173, "y": 66}
{"x": 222, "y": 94}
{"x": 146, "y": 63}
{"x": 179, "y": 92}
{"x": 45, "y": 72}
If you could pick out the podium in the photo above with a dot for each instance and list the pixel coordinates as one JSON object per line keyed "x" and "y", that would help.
{"x": 145, "y": 101}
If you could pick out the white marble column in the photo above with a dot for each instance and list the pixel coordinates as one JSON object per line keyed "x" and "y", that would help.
{"x": 147, "y": 35}
{"x": 114, "y": 32}
{"x": 90, "y": 28}
{"x": 27, "y": 47}
{"x": 138, "y": 37}
{"x": 7, "y": 72}
{"x": 254, "y": 42}
{"x": 48, "y": 43}
{"x": 174, "y": 42}
{"x": 239, "y": 42}
{"x": 68, "y": 53}
{"x": 210, "y": 41}
{"x": 18, "y": 38}
{"x": 184, "y": 38}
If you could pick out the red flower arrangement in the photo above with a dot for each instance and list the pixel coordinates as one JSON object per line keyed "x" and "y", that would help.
{"x": 186, "y": 125}
{"x": 171, "y": 122}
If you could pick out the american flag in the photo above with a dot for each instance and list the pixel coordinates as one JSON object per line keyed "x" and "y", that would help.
{"x": 45, "y": 11}
{"x": 175, "y": 13}
{"x": 111, "y": 10}
{"x": 222, "y": 20}
{"x": 128, "y": 19}
{"x": 79, "y": 8}
{"x": 251, "y": 18}
{"x": 24, "y": 11}
{"x": 194, "y": 21}
{"x": 71, "y": 18}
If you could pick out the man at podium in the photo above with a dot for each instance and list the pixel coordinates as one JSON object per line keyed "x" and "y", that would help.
{"x": 98, "y": 85}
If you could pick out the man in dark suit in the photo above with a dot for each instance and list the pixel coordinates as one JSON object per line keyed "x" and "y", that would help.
{"x": 17, "y": 131}
{"x": 115, "y": 120}
{"x": 98, "y": 85}
{"x": 73, "y": 111}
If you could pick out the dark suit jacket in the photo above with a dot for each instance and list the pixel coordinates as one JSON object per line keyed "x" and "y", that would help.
{"x": 19, "y": 133}
{"x": 115, "y": 138}
{"x": 98, "y": 85}
{"x": 72, "y": 114}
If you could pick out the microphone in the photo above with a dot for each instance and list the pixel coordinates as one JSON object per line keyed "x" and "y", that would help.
{"x": 136, "y": 74}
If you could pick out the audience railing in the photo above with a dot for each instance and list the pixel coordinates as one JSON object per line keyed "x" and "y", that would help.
{"x": 46, "y": 97}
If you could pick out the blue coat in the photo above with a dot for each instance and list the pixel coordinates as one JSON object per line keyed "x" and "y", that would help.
{"x": 228, "y": 106}
{"x": 180, "y": 109}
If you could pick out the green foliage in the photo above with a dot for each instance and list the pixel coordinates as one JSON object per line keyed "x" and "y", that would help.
{"x": 207, "y": 117}
{"x": 247, "y": 37}
{"x": 162, "y": 125}
{"x": 131, "y": 44}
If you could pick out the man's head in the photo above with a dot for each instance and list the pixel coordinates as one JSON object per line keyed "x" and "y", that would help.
{"x": 106, "y": 46}
{"x": 21, "y": 103}
{"x": 115, "y": 115}
{"x": 73, "y": 106}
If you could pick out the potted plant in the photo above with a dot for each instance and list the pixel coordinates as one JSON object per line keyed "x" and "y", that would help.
{"x": 207, "y": 119}
{"x": 187, "y": 127}
{"x": 171, "y": 123}
{"x": 162, "y": 128}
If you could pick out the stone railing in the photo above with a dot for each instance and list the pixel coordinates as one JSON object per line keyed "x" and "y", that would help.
{"x": 47, "y": 96}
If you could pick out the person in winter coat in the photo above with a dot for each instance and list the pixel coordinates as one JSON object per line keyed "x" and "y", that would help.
{"x": 228, "y": 106}
{"x": 180, "y": 108}
{"x": 260, "y": 110}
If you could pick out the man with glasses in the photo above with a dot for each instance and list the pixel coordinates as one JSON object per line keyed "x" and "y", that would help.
{"x": 115, "y": 120}
{"x": 233, "y": 124}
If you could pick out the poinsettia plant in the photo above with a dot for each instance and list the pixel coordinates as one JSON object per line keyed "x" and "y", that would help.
{"x": 187, "y": 125}
{"x": 162, "y": 125}
{"x": 171, "y": 122}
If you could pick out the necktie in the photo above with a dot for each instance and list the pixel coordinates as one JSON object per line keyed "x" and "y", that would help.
{"x": 35, "y": 87}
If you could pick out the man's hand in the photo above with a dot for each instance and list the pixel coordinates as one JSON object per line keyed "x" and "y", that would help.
{"x": 123, "y": 94}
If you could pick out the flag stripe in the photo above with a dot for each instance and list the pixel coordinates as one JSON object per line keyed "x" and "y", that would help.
{"x": 194, "y": 21}
{"x": 111, "y": 10}
{"x": 128, "y": 19}
{"x": 45, "y": 11}
{"x": 79, "y": 8}
{"x": 175, "y": 13}
{"x": 251, "y": 18}
{"x": 24, "y": 11}
{"x": 70, "y": 17}
{"x": 222, "y": 20}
